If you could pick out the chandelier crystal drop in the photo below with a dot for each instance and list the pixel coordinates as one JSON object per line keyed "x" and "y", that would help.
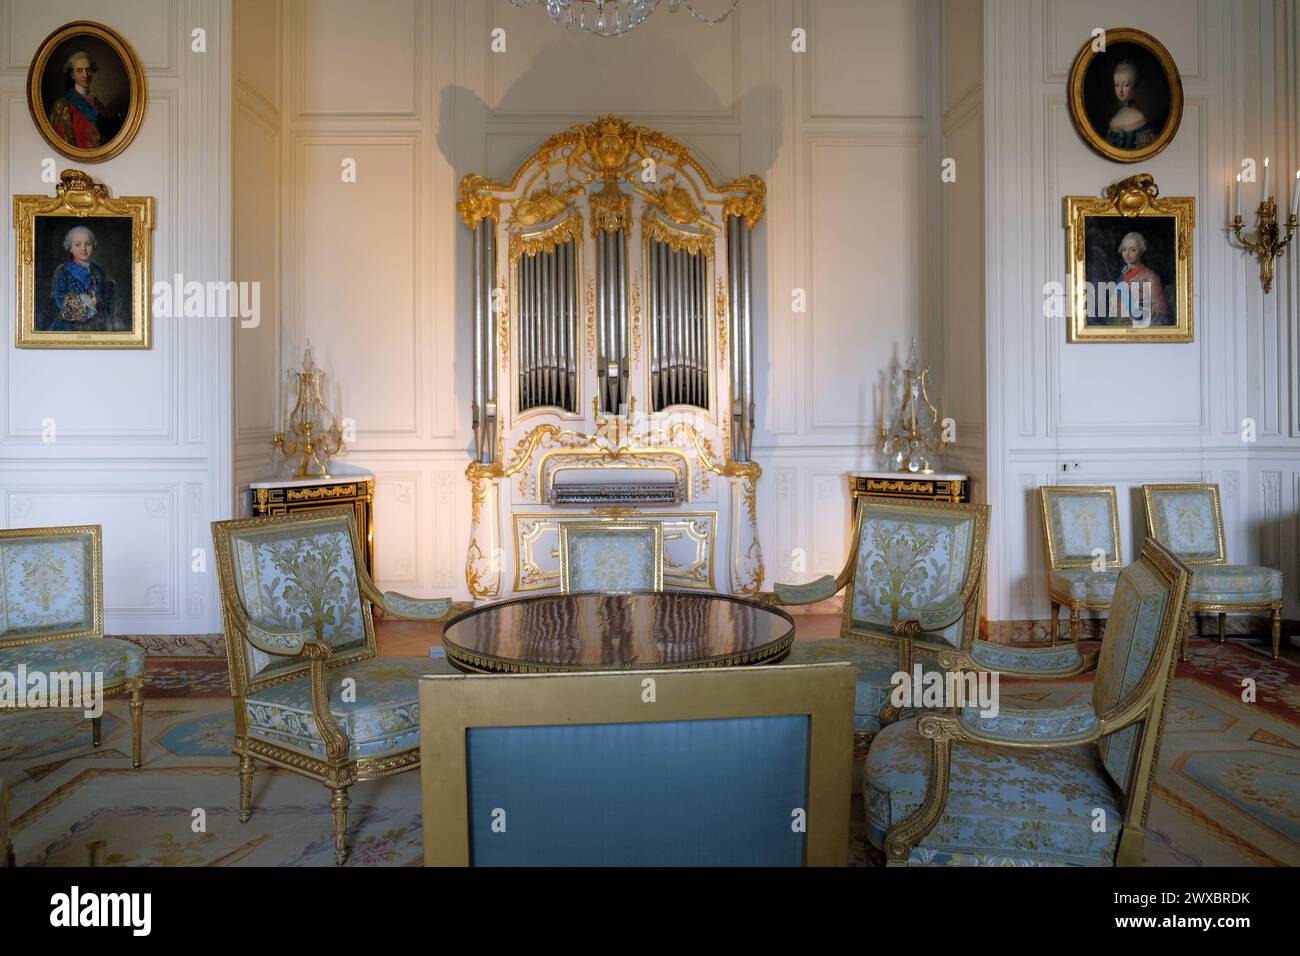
{"x": 614, "y": 18}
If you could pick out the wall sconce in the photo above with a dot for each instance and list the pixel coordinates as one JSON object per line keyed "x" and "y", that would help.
{"x": 1269, "y": 244}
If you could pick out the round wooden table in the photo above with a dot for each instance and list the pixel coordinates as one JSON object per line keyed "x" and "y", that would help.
{"x": 623, "y": 631}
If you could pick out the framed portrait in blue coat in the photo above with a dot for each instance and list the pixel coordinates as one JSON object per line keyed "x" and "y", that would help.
{"x": 83, "y": 267}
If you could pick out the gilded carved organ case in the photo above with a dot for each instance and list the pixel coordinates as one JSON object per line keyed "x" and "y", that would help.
{"x": 613, "y": 358}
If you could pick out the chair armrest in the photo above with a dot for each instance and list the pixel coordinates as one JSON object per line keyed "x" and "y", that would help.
{"x": 414, "y": 609}
{"x": 277, "y": 641}
{"x": 335, "y": 740}
{"x": 1071, "y": 726}
{"x": 1061, "y": 661}
{"x": 827, "y": 586}
{"x": 1049, "y": 726}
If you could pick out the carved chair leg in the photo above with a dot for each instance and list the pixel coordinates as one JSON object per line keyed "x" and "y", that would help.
{"x": 245, "y": 787}
{"x": 339, "y": 804}
{"x": 137, "y": 726}
{"x": 1223, "y": 627}
{"x": 1074, "y": 626}
{"x": 1277, "y": 631}
{"x": 96, "y": 731}
{"x": 1056, "y": 618}
{"x": 1187, "y": 632}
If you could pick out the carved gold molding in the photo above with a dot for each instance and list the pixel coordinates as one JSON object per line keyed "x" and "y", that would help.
{"x": 610, "y": 149}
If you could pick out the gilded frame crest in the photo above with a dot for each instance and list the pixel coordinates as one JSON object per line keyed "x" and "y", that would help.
{"x": 1141, "y": 124}
{"x": 97, "y": 42}
{"x": 79, "y": 199}
{"x": 1121, "y": 286}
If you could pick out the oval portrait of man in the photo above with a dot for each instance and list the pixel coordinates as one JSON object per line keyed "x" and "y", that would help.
{"x": 86, "y": 91}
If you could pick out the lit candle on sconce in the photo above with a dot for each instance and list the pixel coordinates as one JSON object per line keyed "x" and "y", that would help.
{"x": 1236, "y": 192}
{"x": 1268, "y": 182}
{"x": 1295, "y": 195}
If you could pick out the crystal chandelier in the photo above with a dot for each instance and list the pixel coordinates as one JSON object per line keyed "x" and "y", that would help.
{"x": 613, "y": 18}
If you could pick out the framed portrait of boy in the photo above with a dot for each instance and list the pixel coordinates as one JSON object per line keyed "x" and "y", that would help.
{"x": 1126, "y": 95}
{"x": 1130, "y": 261}
{"x": 86, "y": 91}
{"x": 84, "y": 261}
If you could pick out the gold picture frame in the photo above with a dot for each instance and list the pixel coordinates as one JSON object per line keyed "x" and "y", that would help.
{"x": 1129, "y": 254}
{"x": 1125, "y": 95}
{"x": 82, "y": 119}
{"x": 93, "y": 294}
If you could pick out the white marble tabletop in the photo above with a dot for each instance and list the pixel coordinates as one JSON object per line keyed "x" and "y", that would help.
{"x": 337, "y": 475}
{"x": 895, "y": 475}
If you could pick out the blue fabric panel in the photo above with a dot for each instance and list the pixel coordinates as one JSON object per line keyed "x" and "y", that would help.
{"x": 670, "y": 793}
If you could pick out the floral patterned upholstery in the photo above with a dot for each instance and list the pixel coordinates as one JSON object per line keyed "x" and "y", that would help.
{"x": 1025, "y": 661}
{"x": 1034, "y": 805}
{"x": 1020, "y": 725}
{"x": 1127, "y": 650}
{"x": 46, "y": 586}
{"x": 116, "y": 660}
{"x": 52, "y": 617}
{"x": 876, "y": 665}
{"x": 1079, "y": 521}
{"x": 1186, "y": 521}
{"x": 909, "y": 561}
{"x": 613, "y": 556}
{"x": 295, "y": 581}
{"x": 1084, "y": 584}
{"x": 1008, "y": 807}
{"x": 384, "y": 718}
{"x": 1235, "y": 584}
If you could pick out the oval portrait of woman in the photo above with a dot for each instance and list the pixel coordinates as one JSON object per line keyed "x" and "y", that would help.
{"x": 1126, "y": 97}
{"x": 85, "y": 90}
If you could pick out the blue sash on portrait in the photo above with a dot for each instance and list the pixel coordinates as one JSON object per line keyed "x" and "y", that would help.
{"x": 83, "y": 106}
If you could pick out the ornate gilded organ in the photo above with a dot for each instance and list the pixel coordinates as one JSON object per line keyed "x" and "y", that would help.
{"x": 613, "y": 369}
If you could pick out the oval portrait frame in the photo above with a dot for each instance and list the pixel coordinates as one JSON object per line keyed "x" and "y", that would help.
{"x": 1078, "y": 112}
{"x": 135, "y": 77}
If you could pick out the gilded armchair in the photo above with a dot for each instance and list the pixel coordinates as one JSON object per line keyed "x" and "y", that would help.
{"x": 611, "y": 555}
{"x": 1188, "y": 519}
{"x": 1081, "y": 541}
{"x": 913, "y": 580}
{"x": 310, "y": 694}
{"x": 52, "y": 622}
{"x": 1056, "y": 786}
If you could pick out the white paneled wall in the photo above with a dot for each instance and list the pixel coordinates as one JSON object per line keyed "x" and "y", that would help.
{"x": 376, "y": 272}
{"x": 1128, "y": 414}
{"x": 142, "y": 438}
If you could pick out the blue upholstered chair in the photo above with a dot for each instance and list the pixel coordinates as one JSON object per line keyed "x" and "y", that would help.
{"x": 611, "y": 555}
{"x": 1081, "y": 540}
{"x": 727, "y": 766}
{"x": 1188, "y": 520}
{"x": 912, "y": 583}
{"x": 310, "y": 694}
{"x": 52, "y": 617}
{"x": 913, "y": 580}
{"x": 1024, "y": 787}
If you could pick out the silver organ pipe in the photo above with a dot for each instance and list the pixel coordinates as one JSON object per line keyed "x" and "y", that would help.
{"x": 678, "y": 316}
{"x": 547, "y": 339}
{"x": 478, "y": 409}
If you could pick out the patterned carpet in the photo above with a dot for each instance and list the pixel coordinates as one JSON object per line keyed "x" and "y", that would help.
{"x": 1227, "y": 793}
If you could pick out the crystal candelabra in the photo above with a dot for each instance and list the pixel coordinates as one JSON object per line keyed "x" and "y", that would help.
{"x": 614, "y": 18}
{"x": 914, "y": 434}
{"x": 311, "y": 429}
